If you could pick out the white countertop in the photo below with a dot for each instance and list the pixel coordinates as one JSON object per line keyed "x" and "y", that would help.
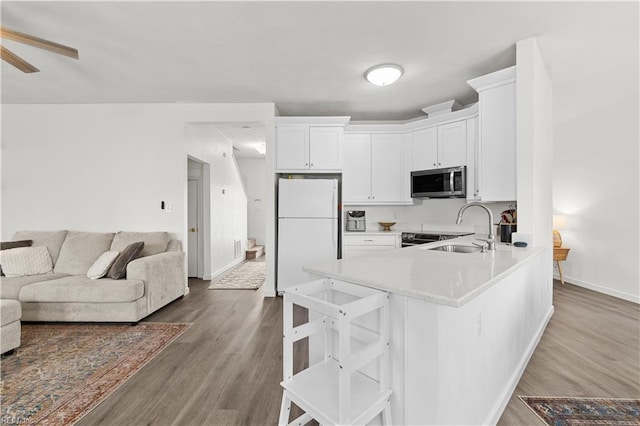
{"x": 356, "y": 233}
{"x": 440, "y": 277}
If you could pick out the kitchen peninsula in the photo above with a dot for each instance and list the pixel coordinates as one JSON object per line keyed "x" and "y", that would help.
{"x": 462, "y": 325}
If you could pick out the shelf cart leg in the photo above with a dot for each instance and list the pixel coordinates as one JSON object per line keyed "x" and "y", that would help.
{"x": 386, "y": 413}
{"x": 285, "y": 409}
{"x": 344, "y": 374}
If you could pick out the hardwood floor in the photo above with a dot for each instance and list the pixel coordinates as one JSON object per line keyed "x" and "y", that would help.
{"x": 591, "y": 348}
{"x": 226, "y": 369}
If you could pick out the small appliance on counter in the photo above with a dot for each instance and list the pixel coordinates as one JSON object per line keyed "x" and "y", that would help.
{"x": 356, "y": 221}
{"x": 508, "y": 225}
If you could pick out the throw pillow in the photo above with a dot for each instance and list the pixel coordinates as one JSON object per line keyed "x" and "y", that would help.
{"x": 6, "y": 245}
{"x": 13, "y": 244}
{"x": 102, "y": 265}
{"x": 119, "y": 268}
{"x": 22, "y": 261}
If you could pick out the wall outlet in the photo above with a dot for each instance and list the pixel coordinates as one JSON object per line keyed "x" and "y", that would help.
{"x": 478, "y": 324}
{"x": 168, "y": 208}
{"x": 396, "y": 214}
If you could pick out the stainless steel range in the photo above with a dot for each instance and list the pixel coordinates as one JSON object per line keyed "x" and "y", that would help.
{"x": 414, "y": 238}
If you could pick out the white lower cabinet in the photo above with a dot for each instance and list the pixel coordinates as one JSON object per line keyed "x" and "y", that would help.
{"x": 365, "y": 244}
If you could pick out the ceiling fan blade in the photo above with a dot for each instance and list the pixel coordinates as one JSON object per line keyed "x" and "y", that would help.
{"x": 38, "y": 42}
{"x": 16, "y": 61}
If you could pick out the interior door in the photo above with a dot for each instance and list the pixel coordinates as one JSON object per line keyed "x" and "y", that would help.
{"x": 193, "y": 201}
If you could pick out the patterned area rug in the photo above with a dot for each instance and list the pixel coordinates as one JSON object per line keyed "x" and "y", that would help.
{"x": 62, "y": 371}
{"x": 247, "y": 276}
{"x": 556, "y": 411}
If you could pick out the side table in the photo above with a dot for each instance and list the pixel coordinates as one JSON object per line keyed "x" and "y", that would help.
{"x": 559, "y": 255}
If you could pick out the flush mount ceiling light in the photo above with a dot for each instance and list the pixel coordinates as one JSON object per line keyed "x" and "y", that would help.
{"x": 383, "y": 75}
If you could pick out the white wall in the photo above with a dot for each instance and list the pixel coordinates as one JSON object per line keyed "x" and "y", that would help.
{"x": 534, "y": 142}
{"x": 105, "y": 167}
{"x": 253, "y": 171}
{"x": 596, "y": 186}
{"x": 432, "y": 215}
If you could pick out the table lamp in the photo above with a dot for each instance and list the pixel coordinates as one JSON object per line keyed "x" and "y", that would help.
{"x": 559, "y": 222}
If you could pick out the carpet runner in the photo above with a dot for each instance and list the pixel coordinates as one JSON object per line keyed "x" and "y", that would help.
{"x": 247, "y": 276}
{"x": 561, "y": 411}
{"x": 62, "y": 371}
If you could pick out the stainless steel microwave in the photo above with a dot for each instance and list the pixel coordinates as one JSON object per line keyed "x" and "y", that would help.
{"x": 439, "y": 183}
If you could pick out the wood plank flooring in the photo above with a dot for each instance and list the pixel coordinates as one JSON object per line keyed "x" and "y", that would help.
{"x": 226, "y": 369}
{"x": 591, "y": 348}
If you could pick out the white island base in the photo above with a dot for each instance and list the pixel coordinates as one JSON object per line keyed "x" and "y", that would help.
{"x": 459, "y": 365}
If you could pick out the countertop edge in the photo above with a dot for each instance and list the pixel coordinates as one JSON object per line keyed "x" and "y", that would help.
{"x": 535, "y": 251}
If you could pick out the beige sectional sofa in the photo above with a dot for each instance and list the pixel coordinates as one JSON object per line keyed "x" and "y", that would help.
{"x": 153, "y": 280}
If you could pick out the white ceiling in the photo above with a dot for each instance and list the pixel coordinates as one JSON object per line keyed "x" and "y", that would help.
{"x": 309, "y": 57}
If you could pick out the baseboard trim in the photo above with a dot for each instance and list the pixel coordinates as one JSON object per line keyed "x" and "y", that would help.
{"x": 600, "y": 289}
{"x": 505, "y": 397}
{"x": 224, "y": 269}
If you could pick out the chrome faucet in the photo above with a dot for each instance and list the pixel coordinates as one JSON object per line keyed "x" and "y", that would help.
{"x": 491, "y": 237}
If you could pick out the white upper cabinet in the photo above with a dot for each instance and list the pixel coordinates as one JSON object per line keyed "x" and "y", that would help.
{"x": 356, "y": 171}
{"x": 374, "y": 171}
{"x": 292, "y": 147}
{"x": 496, "y": 145}
{"x": 440, "y": 146}
{"x": 425, "y": 149}
{"x": 386, "y": 168}
{"x": 452, "y": 144}
{"x": 312, "y": 146}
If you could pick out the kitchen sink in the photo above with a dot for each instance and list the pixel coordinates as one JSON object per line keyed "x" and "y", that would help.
{"x": 454, "y": 248}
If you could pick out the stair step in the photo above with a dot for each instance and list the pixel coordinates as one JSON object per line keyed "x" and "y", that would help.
{"x": 255, "y": 252}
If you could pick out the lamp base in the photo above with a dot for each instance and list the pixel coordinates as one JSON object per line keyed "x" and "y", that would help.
{"x": 557, "y": 239}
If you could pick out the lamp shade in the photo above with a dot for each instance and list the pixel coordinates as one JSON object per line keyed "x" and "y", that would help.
{"x": 559, "y": 221}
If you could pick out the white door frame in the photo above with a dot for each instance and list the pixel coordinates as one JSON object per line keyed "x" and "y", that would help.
{"x": 198, "y": 225}
{"x": 204, "y": 212}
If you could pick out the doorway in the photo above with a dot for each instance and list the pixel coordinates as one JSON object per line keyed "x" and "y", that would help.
{"x": 195, "y": 219}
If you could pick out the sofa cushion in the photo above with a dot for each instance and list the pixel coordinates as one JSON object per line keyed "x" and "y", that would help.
{"x": 23, "y": 261}
{"x": 102, "y": 265}
{"x": 51, "y": 239}
{"x": 80, "y": 250}
{"x": 10, "y": 286}
{"x": 10, "y": 311}
{"x": 79, "y": 288}
{"x": 154, "y": 242}
{"x": 118, "y": 269}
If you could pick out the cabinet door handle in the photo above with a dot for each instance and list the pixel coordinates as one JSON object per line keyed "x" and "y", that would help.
{"x": 311, "y": 164}
{"x": 306, "y": 164}
{"x": 434, "y": 164}
{"x": 439, "y": 164}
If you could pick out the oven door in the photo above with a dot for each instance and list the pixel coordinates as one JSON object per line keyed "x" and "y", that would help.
{"x": 417, "y": 242}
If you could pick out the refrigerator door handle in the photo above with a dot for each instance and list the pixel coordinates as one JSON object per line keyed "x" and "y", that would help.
{"x": 334, "y": 227}
{"x": 334, "y": 232}
{"x": 334, "y": 199}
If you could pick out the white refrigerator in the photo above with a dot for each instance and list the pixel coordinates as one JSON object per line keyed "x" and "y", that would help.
{"x": 307, "y": 227}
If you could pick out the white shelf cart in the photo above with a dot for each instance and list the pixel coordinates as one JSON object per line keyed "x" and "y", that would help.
{"x": 350, "y": 384}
